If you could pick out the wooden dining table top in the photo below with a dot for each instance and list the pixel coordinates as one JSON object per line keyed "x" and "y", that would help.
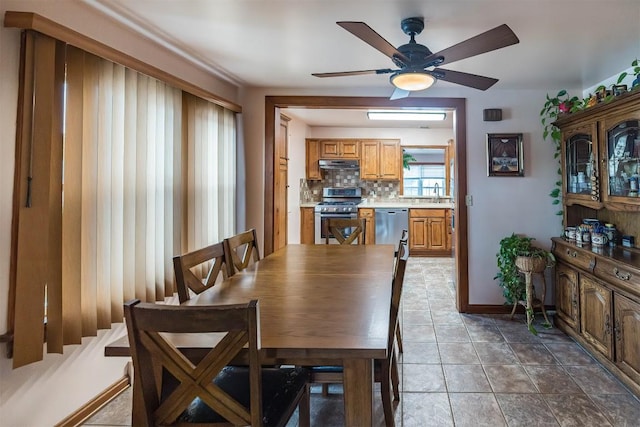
{"x": 321, "y": 302}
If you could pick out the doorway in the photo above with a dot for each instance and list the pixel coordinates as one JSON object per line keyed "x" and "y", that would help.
{"x": 273, "y": 104}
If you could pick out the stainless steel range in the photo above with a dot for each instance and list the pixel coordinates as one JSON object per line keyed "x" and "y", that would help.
{"x": 337, "y": 202}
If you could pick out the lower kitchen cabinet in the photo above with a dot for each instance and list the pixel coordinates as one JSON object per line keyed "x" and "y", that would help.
{"x": 428, "y": 232}
{"x": 605, "y": 318}
{"x": 596, "y": 322}
{"x": 369, "y": 216}
{"x": 307, "y": 226}
{"x": 567, "y": 296}
{"x": 627, "y": 336}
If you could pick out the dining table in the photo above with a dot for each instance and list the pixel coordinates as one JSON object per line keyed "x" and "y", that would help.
{"x": 319, "y": 305}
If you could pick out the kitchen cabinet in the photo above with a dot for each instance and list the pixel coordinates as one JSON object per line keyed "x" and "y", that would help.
{"x": 596, "y": 322}
{"x": 601, "y": 159}
{"x": 369, "y": 225}
{"x": 339, "y": 148}
{"x": 605, "y": 317}
{"x": 627, "y": 336}
{"x": 312, "y": 155}
{"x": 307, "y": 226}
{"x": 380, "y": 160}
{"x": 428, "y": 232}
{"x": 567, "y": 296}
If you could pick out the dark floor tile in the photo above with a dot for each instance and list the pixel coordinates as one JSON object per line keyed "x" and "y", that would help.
{"x": 451, "y": 333}
{"x": 533, "y": 354}
{"x": 526, "y": 410}
{"x": 484, "y": 333}
{"x": 570, "y": 353}
{"x": 476, "y": 409}
{"x": 552, "y": 379}
{"x": 594, "y": 379}
{"x": 575, "y": 410}
{"x": 495, "y": 353}
{"x": 621, "y": 410}
{"x": 420, "y": 352}
{"x": 425, "y": 409}
{"x": 465, "y": 379}
{"x": 509, "y": 379}
{"x": 458, "y": 353}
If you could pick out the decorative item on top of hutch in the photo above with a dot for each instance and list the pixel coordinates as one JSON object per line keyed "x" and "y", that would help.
{"x": 598, "y": 287}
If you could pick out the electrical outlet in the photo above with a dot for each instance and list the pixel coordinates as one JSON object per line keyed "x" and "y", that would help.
{"x": 468, "y": 200}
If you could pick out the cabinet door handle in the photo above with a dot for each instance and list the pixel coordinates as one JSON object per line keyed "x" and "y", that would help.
{"x": 620, "y": 275}
{"x": 572, "y": 254}
{"x": 617, "y": 330}
{"x": 607, "y": 325}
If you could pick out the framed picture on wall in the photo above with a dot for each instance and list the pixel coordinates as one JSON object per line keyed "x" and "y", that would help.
{"x": 505, "y": 154}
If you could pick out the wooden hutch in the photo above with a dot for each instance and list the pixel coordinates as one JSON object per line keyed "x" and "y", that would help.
{"x": 598, "y": 287}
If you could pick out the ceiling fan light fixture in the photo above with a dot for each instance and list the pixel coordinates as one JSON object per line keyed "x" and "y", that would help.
{"x": 412, "y": 80}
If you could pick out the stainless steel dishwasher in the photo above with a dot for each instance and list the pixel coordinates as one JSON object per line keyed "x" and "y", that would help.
{"x": 389, "y": 225}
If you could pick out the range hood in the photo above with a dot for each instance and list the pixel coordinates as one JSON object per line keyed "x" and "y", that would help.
{"x": 337, "y": 164}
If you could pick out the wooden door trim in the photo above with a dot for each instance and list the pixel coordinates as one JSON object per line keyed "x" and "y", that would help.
{"x": 273, "y": 104}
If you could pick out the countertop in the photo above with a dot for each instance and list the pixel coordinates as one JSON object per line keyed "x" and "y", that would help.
{"x": 410, "y": 203}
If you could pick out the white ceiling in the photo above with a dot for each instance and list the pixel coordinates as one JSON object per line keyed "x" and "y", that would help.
{"x": 279, "y": 43}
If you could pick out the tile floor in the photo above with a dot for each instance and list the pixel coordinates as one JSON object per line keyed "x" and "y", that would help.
{"x": 472, "y": 370}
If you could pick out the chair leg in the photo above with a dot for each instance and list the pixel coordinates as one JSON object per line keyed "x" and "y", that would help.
{"x": 325, "y": 390}
{"x": 399, "y": 339}
{"x": 304, "y": 408}
{"x": 395, "y": 379}
{"x": 387, "y": 406}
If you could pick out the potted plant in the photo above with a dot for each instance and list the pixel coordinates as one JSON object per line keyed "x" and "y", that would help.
{"x": 516, "y": 255}
{"x": 406, "y": 158}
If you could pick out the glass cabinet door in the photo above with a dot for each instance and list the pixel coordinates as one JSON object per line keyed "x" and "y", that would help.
{"x": 623, "y": 157}
{"x": 580, "y": 173}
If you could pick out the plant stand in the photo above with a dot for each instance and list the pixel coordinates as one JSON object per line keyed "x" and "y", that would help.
{"x": 530, "y": 266}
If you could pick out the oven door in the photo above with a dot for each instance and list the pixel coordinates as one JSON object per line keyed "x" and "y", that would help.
{"x": 321, "y": 225}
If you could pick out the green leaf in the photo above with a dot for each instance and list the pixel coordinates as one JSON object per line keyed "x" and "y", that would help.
{"x": 561, "y": 93}
{"x": 559, "y": 171}
{"x": 622, "y": 77}
{"x": 559, "y": 213}
{"x": 545, "y": 134}
{"x": 555, "y": 202}
{"x": 633, "y": 64}
{"x": 555, "y": 192}
{"x": 558, "y": 183}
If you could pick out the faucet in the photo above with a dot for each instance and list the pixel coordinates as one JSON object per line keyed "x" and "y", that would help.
{"x": 436, "y": 189}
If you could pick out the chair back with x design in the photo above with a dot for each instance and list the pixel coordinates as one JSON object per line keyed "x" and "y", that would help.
{"x": 153, "y": 354}
{"x": 247, "y": 244}
{"x": 198, "y": 270}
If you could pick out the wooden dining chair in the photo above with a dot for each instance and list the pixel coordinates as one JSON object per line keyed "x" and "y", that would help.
{"x": 404, "y": 238}
{"x": 176, "y": 390}
{"x": 385, "y": 370}
{"x": 241, "y": 249}
{"x": 346, "y": 230}
{"x": 198, "y": 270}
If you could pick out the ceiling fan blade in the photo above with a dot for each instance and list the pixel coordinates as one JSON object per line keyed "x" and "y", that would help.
{"x": 369, "y": 36}
{"x": 399, "y": 94}
{"x": 496, "y": 38}
{"x": 354, "y": 73}
{"x": 465, "y": 79}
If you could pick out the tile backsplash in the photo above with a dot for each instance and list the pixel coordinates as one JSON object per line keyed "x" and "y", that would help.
{"x": 349, "y": 178}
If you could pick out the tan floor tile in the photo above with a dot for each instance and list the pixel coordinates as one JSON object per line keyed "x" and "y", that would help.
{"x": 465, "y": 379}
{"x": 422, "y": 378}
{"x": 526, "y": 410}
{"x": 509, "y": 379}
{"x": 575, "y": 410}
{"x": 476, "y": 409}
{"x": 552, "y": 379}
{"x": 570, "y": 353}
{"x": 533, "y": 354}
{"x": 621, "y": 410}
{"x": 495, "y": 353}
{"x": 426, "y": 409}
{"x": 594, "y": 379}
{"x": 458, "y": 353}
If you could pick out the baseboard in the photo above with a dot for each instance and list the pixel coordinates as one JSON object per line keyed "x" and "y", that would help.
{"x": 94, "y": 405}
{"x": 497, "y": 309}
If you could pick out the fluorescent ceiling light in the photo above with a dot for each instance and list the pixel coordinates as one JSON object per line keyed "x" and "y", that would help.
{"x": 412, "y": 80}
{"x": 416, "y": 115}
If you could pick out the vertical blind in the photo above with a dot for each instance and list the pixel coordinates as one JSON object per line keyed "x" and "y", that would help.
{"x": 146, "y": 173}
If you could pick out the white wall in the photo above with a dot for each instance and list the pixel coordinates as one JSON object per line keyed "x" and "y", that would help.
{"x": 44, "y": 393}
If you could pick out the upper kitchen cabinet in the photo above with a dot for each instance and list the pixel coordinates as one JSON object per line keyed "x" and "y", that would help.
{"x": 312, "y": 152}
{"x": 621, "y": 154}
{"x": 380, "y": 159}
{"x": 580, "y": 160}
{"x": 601, "y": 155}
{"x": 339, "y": 149}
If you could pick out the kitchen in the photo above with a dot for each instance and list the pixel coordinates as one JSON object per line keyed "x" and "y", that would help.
{"x": 327, "y": 127}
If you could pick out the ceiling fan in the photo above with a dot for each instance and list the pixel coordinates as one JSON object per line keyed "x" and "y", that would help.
{"x": 415, "y": 61}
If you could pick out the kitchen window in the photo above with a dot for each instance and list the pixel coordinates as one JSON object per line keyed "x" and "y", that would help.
{"x": 424, "y": 180}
